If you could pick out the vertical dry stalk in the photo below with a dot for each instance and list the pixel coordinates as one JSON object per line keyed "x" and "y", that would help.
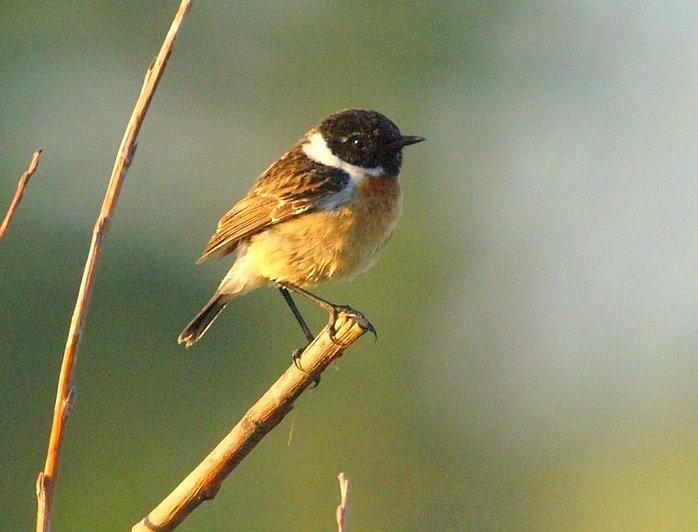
{"x": 205, "y": 480}
{"x": 23, "y": 182}
{"x": 343, "y": 502}
{"x": 46, "y": 481}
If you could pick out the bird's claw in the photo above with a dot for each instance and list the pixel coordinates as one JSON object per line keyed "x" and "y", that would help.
{"x": 366, "y": 325}
{"x": 296, "y": 356}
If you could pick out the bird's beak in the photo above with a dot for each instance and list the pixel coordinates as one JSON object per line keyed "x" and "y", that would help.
{"x": 406, "y": 140}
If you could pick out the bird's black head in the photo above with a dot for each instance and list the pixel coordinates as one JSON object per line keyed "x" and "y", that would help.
{"x": 366, "y": 138}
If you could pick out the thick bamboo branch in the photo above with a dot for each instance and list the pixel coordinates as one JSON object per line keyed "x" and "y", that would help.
{"x": 23, "y": 182}
{"x": 46, "y": 482}
{"x": 205, "y": 480}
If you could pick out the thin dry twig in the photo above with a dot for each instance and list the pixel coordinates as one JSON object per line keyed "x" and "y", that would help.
{"x": 23, "y": 182}
{"x": 205, "y": 480}
{"x": 343, "y": 502}
{"x": 46, "y": 481}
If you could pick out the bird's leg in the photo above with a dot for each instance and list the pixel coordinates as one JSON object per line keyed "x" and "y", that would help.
{"x": 331, "y": 308}
{"x": 296, "y": 313}
{"x": 301, "y": 321}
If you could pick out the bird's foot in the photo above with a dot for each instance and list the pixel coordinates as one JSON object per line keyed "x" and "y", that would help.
{"x": 296, "y": 357}
{"x": 336, "y": 310}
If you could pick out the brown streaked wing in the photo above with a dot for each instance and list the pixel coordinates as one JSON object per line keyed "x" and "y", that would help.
{"x": 286, "y": 189}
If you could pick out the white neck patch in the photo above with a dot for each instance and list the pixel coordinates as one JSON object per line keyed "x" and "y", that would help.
{"x": 316, "y": 149}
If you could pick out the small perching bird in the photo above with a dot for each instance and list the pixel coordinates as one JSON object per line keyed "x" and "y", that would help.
{"x": 322, "y": 211}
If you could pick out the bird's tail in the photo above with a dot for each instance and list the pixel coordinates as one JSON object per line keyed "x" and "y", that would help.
{"x": 203, "y": 320}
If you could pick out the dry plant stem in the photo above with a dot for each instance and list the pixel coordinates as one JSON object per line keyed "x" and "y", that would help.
{"x": 343, "y": 502}
{"x": 46, "y": 482}
{"x": 23, "y": 182}
{"x": 204, "y": 481}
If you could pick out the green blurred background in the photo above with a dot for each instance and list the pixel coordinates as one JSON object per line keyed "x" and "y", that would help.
{"x": 537, "y": 308}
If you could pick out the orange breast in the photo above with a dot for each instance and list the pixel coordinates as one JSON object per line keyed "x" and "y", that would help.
{"x": 370, "y": 221}
{"x": 377, "y": 203}
{"x": 338, "y": 243}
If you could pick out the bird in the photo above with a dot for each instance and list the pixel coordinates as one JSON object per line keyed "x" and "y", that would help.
{"x": 322, "y": 211}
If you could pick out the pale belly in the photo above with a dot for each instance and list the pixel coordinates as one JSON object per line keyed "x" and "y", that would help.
{"x": 324, "y": 245}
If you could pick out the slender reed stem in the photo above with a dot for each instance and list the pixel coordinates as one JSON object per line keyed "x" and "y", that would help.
{"x": 46, "y": 482}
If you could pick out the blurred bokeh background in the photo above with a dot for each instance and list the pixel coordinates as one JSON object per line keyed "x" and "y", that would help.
{"x": 537, "y": 308}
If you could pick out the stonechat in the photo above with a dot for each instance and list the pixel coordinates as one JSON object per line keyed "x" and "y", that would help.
{"x": 322, "y": 211}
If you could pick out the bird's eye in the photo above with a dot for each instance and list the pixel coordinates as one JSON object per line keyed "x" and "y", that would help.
{"x": 356, "y": 141}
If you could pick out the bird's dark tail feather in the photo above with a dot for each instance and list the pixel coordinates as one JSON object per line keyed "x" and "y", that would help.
{"x": 203, "y": 320}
